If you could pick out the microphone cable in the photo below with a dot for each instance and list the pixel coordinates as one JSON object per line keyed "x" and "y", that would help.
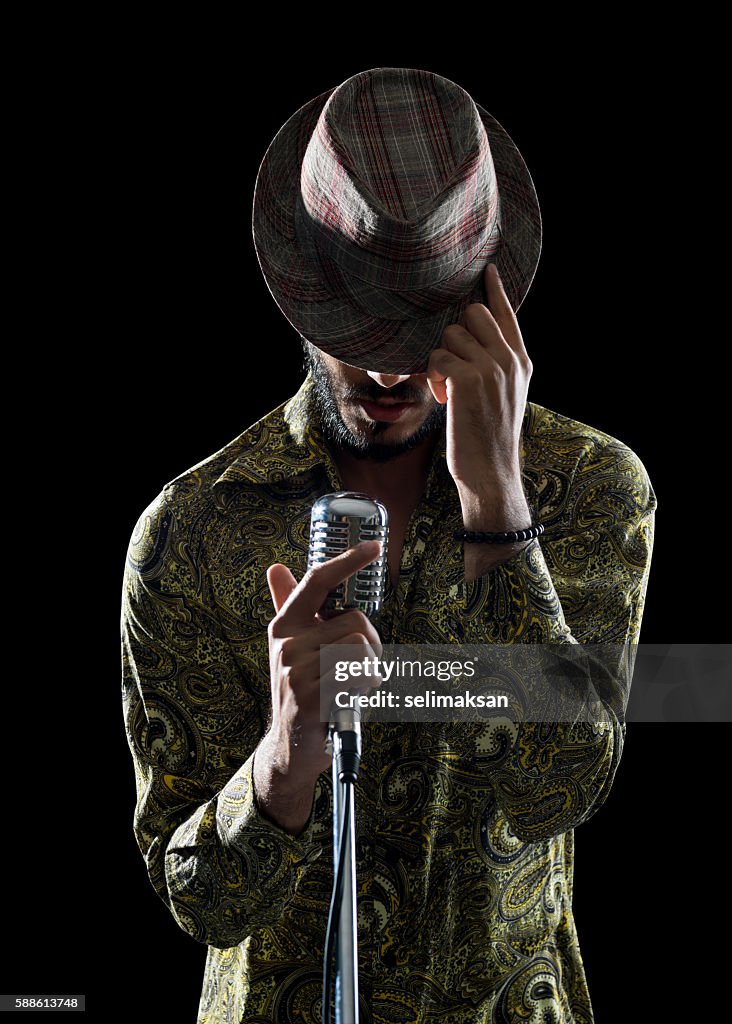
{"x": 335, "y": 904}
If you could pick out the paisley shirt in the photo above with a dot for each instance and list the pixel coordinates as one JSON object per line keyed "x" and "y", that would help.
{"x": 464, "y": 833}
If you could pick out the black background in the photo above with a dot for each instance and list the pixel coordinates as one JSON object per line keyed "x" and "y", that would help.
{"x": 167, "y": 344}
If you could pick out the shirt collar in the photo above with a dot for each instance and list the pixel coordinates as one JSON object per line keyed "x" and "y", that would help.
{"x": 288, "y": 442}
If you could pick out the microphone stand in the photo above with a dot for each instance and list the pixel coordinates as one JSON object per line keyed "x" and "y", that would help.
{"x": 339, "y": 521}
{"x": 344, "y": 743}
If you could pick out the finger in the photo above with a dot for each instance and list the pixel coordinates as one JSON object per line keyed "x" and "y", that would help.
{"x": 281, "y": 584}
{"x": 444, "y": 365}
{"x": 465, "y": 345}
{"x": 312, "y": 590}
{"x": 353, "y": 621}
{"x": 359, "y": 670}
{"x": 481, "y": 325}
{"x": 352, "y": 649}
{"x": 502, "y": 311}
{"x": 330, "y": 632}
{"x": 438, "y": 387}
{"x": 441, "y": 368}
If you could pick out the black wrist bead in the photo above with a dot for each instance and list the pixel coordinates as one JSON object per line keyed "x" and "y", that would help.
{"x": 509, "y": 537}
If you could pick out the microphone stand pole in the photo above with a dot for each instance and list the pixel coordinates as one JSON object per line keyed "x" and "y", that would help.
{"x": 344, "y": 738}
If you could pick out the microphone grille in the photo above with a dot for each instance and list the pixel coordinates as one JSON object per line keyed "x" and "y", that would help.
{"x": 338, "y": 522}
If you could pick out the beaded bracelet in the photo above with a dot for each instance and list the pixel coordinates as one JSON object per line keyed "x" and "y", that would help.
{"x": 510, "y": 537}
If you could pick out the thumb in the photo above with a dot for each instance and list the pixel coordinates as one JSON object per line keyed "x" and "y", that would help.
{"x": 438, "y": 389}
{"x": 281, "y": 583}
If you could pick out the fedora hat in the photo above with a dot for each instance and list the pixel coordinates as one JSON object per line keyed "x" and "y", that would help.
{"x": 378, "y": 205}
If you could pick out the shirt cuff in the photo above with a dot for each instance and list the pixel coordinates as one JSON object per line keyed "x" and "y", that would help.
{"x": 243, "y": 825}
{"x": 514, "y": 602}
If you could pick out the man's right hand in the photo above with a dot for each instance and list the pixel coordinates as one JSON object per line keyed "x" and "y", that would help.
{"x": 296, "y": 737}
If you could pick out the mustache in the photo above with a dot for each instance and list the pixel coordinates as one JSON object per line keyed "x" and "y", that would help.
{"x": 402, "y": 392}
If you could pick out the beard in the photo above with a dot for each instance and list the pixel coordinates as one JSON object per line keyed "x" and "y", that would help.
{"x": 368, "y": 446}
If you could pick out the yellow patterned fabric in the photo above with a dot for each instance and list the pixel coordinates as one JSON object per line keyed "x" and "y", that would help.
{"x": 464, "y": 833}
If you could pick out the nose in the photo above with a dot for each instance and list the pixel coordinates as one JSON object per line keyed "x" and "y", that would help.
{"x": 388, "y": 380}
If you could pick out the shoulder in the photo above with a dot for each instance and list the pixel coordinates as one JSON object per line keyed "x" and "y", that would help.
{"x": 584, "y": 463}
{"x": 187, "y": 500}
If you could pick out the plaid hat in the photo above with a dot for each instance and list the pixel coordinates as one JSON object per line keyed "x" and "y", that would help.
{"x": 376, "y": 208}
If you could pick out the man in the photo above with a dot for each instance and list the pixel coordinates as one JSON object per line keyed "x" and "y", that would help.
{"x": 381, "y": 209}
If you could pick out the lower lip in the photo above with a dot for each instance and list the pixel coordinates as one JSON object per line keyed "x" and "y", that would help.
{"x": 388, "y": 413}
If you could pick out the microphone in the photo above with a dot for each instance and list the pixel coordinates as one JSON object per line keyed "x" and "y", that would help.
{"x": 338, "y": 522}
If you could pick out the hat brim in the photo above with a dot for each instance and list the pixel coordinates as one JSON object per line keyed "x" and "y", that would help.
{"x": 338, "y": 327}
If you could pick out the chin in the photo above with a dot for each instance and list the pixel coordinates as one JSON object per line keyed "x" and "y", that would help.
{"x": 387, "y": 433}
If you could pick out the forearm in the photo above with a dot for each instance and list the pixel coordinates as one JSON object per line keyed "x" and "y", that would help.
{"x": 547, "y": 776}
{"x": 554, "y": 776}
{"x": 229, "y": 869}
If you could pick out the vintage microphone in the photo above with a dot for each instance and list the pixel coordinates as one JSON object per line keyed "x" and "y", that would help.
{"x": 338, "y": 522}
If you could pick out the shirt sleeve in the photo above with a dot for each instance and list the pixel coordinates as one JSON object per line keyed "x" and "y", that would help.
{"x": 584, "y": 583}
{"x": 192, "y": 725}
